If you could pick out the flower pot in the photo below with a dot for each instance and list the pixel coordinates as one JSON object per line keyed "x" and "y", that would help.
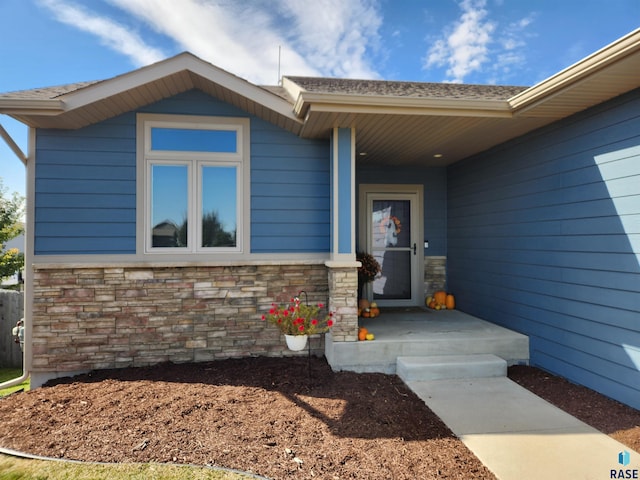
{"x": 296, "y": 342}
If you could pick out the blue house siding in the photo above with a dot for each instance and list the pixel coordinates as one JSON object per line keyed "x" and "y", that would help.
{"x": 434, "y": 181}
{"x": 86, "y": 184}
{"x": 85, "y": 199}
{"x": 544, "y": 238}
{"x": 290, "y": 204}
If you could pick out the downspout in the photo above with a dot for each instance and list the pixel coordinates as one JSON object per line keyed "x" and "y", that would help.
{"x": 28, "y": 273}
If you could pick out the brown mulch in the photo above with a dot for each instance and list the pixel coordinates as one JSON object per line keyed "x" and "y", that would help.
{"x": 617, "y": 420}
{"x": 277, "y": 417}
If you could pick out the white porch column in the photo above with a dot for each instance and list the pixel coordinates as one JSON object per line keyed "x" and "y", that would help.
{"x": 342, "y": 267}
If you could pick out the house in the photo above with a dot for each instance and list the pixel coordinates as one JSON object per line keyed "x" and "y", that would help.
{"x": 169, "y": 206}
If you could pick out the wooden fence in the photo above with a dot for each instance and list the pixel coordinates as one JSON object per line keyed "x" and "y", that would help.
{"x": 11, "y": 310}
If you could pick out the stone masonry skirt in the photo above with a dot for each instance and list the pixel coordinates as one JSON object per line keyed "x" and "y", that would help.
{"x": 97, "y": 318}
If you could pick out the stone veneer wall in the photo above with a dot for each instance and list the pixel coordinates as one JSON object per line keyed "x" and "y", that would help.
{"x": 435, "y": 275}
{"x": 112, "y": 317}
{"x": 343, "y": 285}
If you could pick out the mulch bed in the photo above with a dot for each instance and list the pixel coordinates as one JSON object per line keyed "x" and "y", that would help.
{"x": 277, "y": 417}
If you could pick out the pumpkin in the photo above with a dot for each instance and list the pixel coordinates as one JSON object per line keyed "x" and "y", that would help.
{"x": 432, "y": 304}
{"x": 450, "y": 302}
{"x": 374, "y": 311}
{"x": 428, "y": 301}
{"x": 440, "y": 297}
{"x": 362, "y": 333}
{"x": 363, "y": 303}
{"x": 366, "y": 313}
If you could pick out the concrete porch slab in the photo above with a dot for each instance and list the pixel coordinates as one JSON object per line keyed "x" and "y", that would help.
{"x": 424, "y": 332}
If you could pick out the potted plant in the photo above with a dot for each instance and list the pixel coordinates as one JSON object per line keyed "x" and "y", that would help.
{"x": 367, "y": 271}
{"x": 297, "y": 320}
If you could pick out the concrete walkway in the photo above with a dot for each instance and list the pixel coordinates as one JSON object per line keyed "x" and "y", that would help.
{"x": 520, "y": 436}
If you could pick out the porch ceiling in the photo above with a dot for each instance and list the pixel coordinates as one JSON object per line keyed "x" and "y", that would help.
{"x": 415, "y": 140}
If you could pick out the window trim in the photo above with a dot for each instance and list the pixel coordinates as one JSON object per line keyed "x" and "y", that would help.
{"x": 195, "y": 161}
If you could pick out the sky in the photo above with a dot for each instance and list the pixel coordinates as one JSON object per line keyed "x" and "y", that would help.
{"x": 506, "y": 42}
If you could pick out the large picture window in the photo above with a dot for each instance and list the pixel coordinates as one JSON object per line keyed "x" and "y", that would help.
{"x": 194, "y": 178}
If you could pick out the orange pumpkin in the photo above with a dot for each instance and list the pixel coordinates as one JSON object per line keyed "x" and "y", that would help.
{"x": 362, "y": 333}
{"x": 363, "y": 303}
{"x": 375, "y": 312}
{"x": 440, "y": 297}
{"x": 432, "y": 304}
{"x": 450, "y": 302}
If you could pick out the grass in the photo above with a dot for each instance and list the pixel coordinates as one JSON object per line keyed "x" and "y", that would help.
{"x": 13, "y": 468}
{"x": 9, "y": 374}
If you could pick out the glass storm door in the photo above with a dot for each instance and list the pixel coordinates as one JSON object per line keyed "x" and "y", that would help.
{"x": 392, "y": 239}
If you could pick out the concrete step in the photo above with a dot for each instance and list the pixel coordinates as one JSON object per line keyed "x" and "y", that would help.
{"x": 441, "y": 367}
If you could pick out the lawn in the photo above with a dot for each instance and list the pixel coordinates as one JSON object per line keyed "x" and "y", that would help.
{"x": 12, "y": 468}
{"x": 9, "y": 374}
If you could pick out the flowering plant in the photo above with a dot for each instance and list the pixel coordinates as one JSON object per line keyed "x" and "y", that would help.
{"x": 369, "y": 268}
{"x": 298, "y": 318}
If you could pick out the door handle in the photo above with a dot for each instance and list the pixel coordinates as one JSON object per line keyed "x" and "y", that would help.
{"x": 414, "y": 248}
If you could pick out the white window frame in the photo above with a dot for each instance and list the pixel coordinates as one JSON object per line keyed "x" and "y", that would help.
{"x": 240, "y": 159}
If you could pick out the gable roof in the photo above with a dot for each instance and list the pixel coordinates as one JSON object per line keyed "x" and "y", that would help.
{"x": 81, "y": 104}
{"x": 396, "y": 122}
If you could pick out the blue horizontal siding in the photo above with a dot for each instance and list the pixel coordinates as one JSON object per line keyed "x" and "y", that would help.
{"x": 86, "y": 189}
{"x": 86, "y": 184}
{"x": 544, "y": 238}
{"x": 289, "y": 186}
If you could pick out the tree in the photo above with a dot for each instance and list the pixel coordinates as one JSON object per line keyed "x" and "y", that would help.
{"x": 11, "y": 210}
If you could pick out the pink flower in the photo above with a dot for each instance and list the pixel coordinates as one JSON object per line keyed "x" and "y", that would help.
{"x": 263, "y": 318}
{"x": 314, "y": 322}
{"x": 301, "y": 328}
{"x": 320, "y": 305}
{"x": 329, "y": 323}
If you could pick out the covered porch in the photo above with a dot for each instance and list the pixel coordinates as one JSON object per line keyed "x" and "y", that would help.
{"x": 450, "y": 341}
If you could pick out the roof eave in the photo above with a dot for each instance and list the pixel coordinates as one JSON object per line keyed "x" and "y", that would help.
{"x": 382, "y": 104}
{"x": 612, "y": 53}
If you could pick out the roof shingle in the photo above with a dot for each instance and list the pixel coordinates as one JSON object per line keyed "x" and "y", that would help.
{"x": 406, "y": 89}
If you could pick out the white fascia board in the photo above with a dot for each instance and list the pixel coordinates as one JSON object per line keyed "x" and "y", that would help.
{"x": 181, "y": 62}
{"x": 375, "y": 104}
{"x": 595, "y": 62}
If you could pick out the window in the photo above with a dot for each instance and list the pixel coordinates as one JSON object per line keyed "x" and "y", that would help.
{"x": 195, "y": 177}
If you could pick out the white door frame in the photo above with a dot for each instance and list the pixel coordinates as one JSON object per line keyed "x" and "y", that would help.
{"x": 416, "y": 195}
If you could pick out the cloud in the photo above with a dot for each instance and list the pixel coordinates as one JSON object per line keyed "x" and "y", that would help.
{"x": 465, "y": 46}
{"x": 336, "y": 36}
{"x": 318, "y": 38}
{"x": 476, "y": 44}
{"x": 111, "y": 34}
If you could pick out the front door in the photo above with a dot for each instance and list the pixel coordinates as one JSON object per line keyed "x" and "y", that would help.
{"x": 393, "y": 226}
